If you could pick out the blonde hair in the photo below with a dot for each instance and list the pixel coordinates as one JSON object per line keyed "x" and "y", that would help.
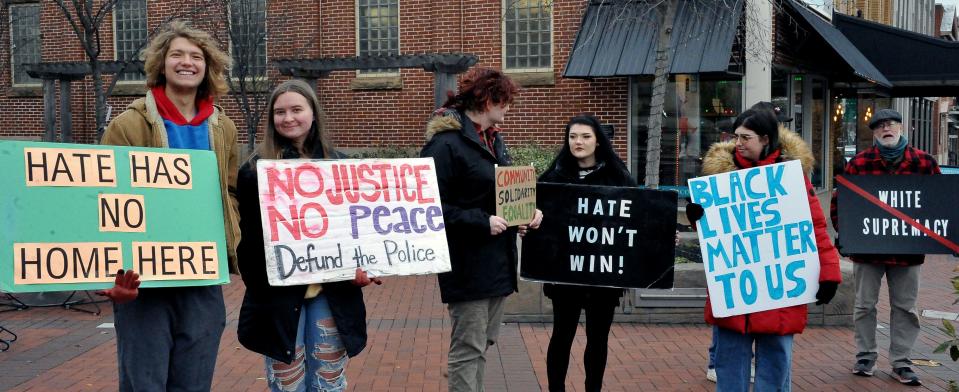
{"x": 217, "y": 61}
{"x": 317, "y": 143}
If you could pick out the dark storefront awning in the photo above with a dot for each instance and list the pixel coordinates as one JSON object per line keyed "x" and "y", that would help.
{"x": 861, "y": 66}
{"x": 916, "y": 64}
{"x": 618, "y": 38}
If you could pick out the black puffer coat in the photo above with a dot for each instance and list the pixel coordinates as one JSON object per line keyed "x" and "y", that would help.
{"x": 483, "y": 265}
{"x": 269, "y": 315}
{"x": 604, "y": 175}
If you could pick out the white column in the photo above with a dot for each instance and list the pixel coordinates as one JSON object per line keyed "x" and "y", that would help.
{"x": 757, "y": 82}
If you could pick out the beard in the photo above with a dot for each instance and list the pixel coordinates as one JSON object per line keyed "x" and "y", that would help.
{"x": 890, "y": 142}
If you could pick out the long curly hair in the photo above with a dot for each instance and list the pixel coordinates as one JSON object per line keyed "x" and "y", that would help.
{"x": 481, "y": 86}
{"x": 217, "y": 61}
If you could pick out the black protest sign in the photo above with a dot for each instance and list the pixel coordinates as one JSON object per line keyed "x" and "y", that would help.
{"x": 898, "y": 214}
{"x": 602, "y": 236}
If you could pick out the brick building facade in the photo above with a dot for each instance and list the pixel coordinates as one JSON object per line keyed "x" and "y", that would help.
{"x": 363, "y": 110}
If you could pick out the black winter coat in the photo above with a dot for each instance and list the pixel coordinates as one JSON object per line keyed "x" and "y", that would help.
{"x": 269, "y": 315}
{"x": 604, "y": 175}
{"x": 483, "y": 265}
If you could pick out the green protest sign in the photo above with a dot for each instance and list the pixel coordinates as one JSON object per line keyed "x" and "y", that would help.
{"x": 73, "y": 215}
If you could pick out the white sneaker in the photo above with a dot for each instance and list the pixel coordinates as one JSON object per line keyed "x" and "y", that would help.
{"x": 752, "y": 372}
{"x": 711, "y": 374}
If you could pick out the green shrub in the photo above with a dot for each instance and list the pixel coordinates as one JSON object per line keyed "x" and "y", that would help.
{"x": 530, "y": 152}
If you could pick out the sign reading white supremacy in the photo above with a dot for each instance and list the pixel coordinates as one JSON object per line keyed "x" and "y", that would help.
{"x": 757, "y": 239}
{"x": 322, "y": 219}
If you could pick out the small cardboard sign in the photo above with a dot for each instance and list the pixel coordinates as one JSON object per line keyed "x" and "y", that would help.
{"x": 74, "y": 215}
{"x": 516, "y": 194}
{"x": 324, "y": 219}
{"x": 602, "y": 236}
{"x": 757, "y": 239}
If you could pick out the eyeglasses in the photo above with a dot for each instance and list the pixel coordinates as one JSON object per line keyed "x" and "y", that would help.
{"x": 886, "y": 123}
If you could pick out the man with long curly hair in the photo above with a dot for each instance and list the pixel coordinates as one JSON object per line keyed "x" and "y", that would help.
{"x": 167, "y": 338}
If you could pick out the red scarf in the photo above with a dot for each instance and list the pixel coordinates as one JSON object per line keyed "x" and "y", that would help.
{"x": 169, "y": 111}
{"x": 745, "y": 163}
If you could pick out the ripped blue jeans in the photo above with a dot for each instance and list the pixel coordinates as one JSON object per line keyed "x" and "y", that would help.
{"x": 320, "y": 360}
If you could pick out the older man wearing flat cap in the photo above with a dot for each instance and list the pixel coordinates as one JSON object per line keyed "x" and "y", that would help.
{"x": 890, "y": 154}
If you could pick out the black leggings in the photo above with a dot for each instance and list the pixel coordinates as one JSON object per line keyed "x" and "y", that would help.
{"x": 599, "y": 317}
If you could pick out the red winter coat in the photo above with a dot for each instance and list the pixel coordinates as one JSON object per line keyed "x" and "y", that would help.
{"x": 783, "y": 321}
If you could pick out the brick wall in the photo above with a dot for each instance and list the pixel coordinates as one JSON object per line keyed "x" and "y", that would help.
{"x": 358, "y": 118}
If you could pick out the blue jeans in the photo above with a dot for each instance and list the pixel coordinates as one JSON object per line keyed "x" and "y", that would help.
{"x": 734, "y": 354}
{"x": 712, "y": 349}
{"x": 325, "y": 366}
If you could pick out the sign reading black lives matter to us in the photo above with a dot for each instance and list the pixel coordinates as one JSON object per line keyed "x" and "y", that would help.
{"x": 324, "y": 219}
{"x": 868, "y": 222}
{"x": 602, "y": 236}
{"x": 757, "y": 239}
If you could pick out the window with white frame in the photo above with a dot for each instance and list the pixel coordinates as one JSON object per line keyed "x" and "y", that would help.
{"x": 129, "y": 32}
{"x": 378, "y": 29}
{"x": 527, "y": 34}
{"x": 248, "y": 38}
{"x": 24, "y": 41}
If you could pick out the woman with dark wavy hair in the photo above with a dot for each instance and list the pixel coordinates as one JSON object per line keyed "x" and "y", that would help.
{"x": 587, "y": 158}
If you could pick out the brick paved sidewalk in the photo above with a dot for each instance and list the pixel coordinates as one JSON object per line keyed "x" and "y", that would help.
{"x": 62, "y": 350}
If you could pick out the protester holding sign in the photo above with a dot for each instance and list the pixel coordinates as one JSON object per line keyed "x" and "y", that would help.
{"x": 760, "y": 141}
{"x": 587, "y": 158}
{"x": 167, "y": 338}
{"x": 891, "y": 154}
{"x": 305, "y": 332}
{"x": 464, "y": 141}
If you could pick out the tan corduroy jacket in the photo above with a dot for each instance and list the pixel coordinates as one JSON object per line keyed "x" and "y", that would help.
{"x": 141, "y": 126}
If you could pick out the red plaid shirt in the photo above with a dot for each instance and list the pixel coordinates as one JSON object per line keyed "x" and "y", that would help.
{"x": 914, "y": 161}
{"x": 487, "y": 135}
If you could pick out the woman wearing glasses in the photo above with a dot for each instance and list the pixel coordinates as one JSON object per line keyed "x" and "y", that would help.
{"x": 759, "y": 140}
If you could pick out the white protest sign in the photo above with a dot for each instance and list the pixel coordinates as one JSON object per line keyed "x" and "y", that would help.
{"x": 757, "y": 239}
{"x": 324, "y": 218}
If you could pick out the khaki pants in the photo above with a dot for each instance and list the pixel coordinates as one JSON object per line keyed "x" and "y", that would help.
{"x": 475, "y": 328}
{"x": 903, "y": 285}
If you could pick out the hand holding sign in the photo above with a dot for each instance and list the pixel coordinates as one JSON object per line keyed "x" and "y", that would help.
{"x": 363, "y": 280}
{"x": 125, "y": 287}
{"x": 497, "y": 225}
{"x": 827, "y": 290}
{"x": 534, "y": 224}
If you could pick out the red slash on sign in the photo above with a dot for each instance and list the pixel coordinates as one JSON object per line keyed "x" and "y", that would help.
{"x": 872, "y": 199}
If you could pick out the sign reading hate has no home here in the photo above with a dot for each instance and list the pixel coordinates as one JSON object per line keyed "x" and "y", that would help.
{"x": 757, "y": 239}
{"x": 75, "y": 215}
{"x": 324, "y": 219}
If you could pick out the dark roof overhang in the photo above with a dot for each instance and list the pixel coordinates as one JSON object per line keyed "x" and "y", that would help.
{"x": 915, "y": 64}
{"x": 618, "y": 38}
{"x": 857, "y": 62}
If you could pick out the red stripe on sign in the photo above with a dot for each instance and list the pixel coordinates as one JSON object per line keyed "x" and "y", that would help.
{"x": 872, "y": 199}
